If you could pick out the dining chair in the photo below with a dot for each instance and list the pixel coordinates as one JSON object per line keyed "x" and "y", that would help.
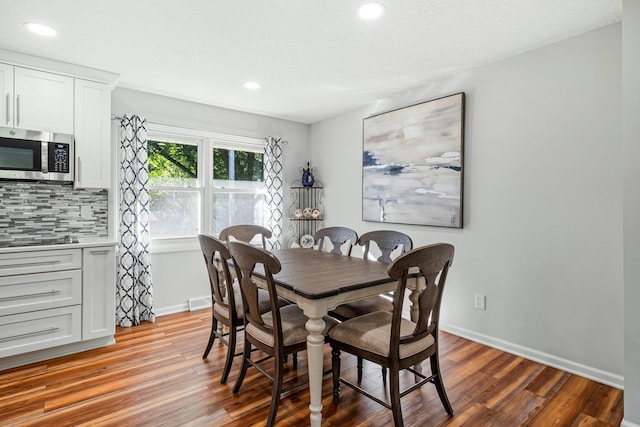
{"x": 394, "y": 342}
{"x": 246, "y": 233}
{"x": 387, "y": 241}
{"x": 227, "y": 306}
{"x": 338, "y": 236}
{"x": 279, "y": 331}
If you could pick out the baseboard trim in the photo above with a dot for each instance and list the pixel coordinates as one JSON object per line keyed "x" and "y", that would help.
{"x": 598, "y": 375}
{"x": 628, "y": 424}
{"x": 172, "y": 309}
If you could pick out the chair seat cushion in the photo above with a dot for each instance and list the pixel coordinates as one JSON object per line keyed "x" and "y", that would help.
{"x": 263, "y": 301}
{"x": 372, "y": 332}
{"x": 365, "y": 306}
{"x": 293, "y": 326}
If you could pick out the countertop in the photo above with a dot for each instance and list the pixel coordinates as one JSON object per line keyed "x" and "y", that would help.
{"x": 85, "y": 243}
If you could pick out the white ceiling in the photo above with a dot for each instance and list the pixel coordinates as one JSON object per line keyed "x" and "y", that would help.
{"x": 314, "y": 58}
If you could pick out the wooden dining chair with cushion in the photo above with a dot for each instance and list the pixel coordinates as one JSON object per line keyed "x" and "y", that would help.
{"x": 246, "y": 233}
{"x": 338, "y": 236}
{"x": 277, "y": 332}
{"x": 394, "y": 342}
{"x": 227, "y": 306}
{"x": 387, "y": 241}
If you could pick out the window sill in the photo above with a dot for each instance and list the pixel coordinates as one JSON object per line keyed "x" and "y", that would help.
{"x": 178, "y": 244}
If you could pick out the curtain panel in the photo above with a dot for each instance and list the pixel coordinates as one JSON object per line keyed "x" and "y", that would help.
{"x": 274, "y": 198}
{"x": 134, "y": 291}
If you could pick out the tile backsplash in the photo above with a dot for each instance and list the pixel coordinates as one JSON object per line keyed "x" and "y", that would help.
{"x": 40, "y": 213}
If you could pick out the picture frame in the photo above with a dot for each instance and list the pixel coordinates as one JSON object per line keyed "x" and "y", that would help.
{"x": 412, "y": 164}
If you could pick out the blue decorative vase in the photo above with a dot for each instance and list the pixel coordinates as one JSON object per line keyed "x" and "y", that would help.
{"x": 307, "y": 176}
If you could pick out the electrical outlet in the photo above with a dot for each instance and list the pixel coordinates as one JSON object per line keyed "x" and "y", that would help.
{"x": 480, "y": 302}
{"x": 85, "y": 212}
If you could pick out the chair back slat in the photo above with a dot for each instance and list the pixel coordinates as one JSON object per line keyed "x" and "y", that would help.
{"x": 387, "y": 242}
{"x": 216, "y": 257}
{"x": 246, "y": 233}
{"x": 246, "y": 258}
{"x": 338, "y": 236}
{"x": 431, "y": 263}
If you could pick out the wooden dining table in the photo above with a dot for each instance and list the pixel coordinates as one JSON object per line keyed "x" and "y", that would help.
{"x": 318, "y": 282}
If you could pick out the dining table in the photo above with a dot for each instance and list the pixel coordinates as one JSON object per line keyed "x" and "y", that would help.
{"x": 318, "y": 282}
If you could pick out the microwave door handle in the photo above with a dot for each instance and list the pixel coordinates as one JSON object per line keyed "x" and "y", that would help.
{"x": 17, "y": 110}
{"x": 44, "y": 157}
{"x": 8, "y": 112}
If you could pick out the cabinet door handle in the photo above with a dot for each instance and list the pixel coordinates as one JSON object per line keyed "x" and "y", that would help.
{"x": 17, "y": 110}
{"x": 99, "y": 251}
{"x": 30, "y": 334}
{"x": 38, "y": 294}
{"x": 8, "y": 114}
{"x": 31, "y": 264}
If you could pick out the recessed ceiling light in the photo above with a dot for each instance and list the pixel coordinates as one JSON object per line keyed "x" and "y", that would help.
{"x": 252, "y": 85}
{"x": 370, "y": 10}
{"x": 40, "y": 29}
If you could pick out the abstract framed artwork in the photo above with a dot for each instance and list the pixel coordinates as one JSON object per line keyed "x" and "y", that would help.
{"x": 412, "y": 164}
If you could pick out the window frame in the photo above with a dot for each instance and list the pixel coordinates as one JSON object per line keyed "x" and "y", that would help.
{"x": 206, "y": 141}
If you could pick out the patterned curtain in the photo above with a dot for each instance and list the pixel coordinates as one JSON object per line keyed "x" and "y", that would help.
{"x": 134, "y": 293}
{"x": 273, "y": 182}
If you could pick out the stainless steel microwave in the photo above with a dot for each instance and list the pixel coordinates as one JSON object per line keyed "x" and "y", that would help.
{"x": 36, "y": 155}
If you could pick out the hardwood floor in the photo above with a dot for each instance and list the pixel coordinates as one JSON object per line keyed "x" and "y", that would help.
{"x": 154, "y": 376}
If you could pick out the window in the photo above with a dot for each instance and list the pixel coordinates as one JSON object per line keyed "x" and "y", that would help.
{"x": 203, "y": 182}
{"x": 174, "y": 192}
{"x": 238, "y": 188}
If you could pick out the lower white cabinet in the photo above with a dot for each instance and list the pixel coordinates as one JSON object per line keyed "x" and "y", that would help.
{"x": 99, "y": 292}
{"x": 49, "y": 298}
{"x": 32, "y": 292}
{"x": 22, "y": 333}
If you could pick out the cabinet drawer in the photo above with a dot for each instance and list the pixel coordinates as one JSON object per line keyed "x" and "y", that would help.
{"x": 30, "y": 292}
{"x": 21, "y": 333}
{"x": 40, "y": 262}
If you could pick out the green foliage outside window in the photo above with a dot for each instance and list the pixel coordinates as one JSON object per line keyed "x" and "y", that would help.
{"x": 248, "y": 166}
{"x": 171, "y": 160}
{"x": 175, "y": 160}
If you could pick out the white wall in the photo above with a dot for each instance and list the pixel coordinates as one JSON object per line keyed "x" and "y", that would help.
{"x": 631, "y": 130}
{"x": 542, "y": 236}
{"x": 180, "y": 275}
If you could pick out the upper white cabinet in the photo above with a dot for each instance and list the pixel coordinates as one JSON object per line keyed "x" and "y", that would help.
{"x": 50, "y": 96}
{"x": 42, "y": 101}
{"x": 92, "y": 130}
{"x": 6, "y": 89}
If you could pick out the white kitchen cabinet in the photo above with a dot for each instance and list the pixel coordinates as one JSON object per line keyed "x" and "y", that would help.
{"x": 6, "y": 90}
{"x": 40, "y": 300}
{"x": 19, "y": 262}
{"x": 37, "y": 330}
{"x": 31, "y": 292}
{"x": 92, "y": 111}
{"x": 42, "y": 101}
{"x": 99, "y": 292}
{"x": 54, "y": 301}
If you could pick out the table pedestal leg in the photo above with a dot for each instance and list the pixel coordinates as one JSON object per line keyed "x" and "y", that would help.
{"x": 315, "y": 349}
